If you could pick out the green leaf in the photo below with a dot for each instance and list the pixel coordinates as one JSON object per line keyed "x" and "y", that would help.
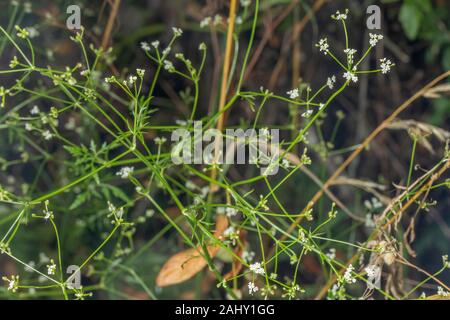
{"x": 411, "y": 18}
{"x": 79, "y": 200}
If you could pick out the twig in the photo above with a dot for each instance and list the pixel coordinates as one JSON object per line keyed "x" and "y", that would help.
{"x": 110, "y": 23}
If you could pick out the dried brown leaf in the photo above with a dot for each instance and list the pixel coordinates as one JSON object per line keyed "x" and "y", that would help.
{"x": 185, "y": 264}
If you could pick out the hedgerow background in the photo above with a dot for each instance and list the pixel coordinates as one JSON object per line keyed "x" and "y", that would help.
{"x": 87, "y": 180}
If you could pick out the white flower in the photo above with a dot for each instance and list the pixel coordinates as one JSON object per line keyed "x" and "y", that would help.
{"x": 51, "y": 268}
{"x": 307, "y": 113}
{"x": 35, "y": 110}
{"x": 230, "y": 212}
{"x": 293, "y": 94}
{"x": 47, "y": 135}
{"x": 145, "y": 46}
{"x": 28, "y": 126}
{"x": 323, "y": 45}
{"x": 248, "y": 256}
{"x": 373, "y": 276}
{"x": 168, "y": 65}
{"x": 48, "y": 214}
{"x": 245, "y": 3}
{"x": 217, "y": 19}
{"x": 442, "y": 292}
{"x": 13, "y": 283}
{"x": 181, "y": 122}
{"x": 374, "y": 38}
{"x": 177, "y": 31}
{"x": 110, "y": 79}
{"x": 257, "y": 268}
{"x": 131, "y": 80}
{"x": 32, "y": 32}
{"x": 125, "y": 172}
{"x": 331, "y": 254}
{"x": 350, "y": 55}
{"x": 229, "y": 231}
{"x": 252, "y": 288}
{"x": 340, "y": 16}
{"x": 349, "y": 76}
{"x": 160, "y": 140}
{"x": 445, "y": 261}
{"x": 155, "y": 44}
{"x": 386, "y": 65}
{"x": 348, "y": 277}
{"x": 140, "y": 72}
{"x": 331, "y": 81}
{"x": 205, "y": 22}
{"x": 285, "y": 163}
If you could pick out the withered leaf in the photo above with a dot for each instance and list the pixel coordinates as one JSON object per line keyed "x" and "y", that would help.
{"x": 186, "y": 264}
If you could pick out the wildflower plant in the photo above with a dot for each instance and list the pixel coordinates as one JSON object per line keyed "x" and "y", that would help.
{"x": 114, "y": 182}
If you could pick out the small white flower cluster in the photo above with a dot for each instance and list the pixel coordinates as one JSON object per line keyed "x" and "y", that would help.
{"x": 205, "y": 22}
{"x": 248, "y": 256}
{"x": 110, "y": 79}
{"x": 307, "y": 113}
{"x": 374, "y": 39}
{"x": 373, "y": 204}
{"x": 256, "y": 268}
{"x": 47, "y": 134}
{"x": 177, "y": 31}
{"x": 252, "y": 288}
{"x": 232, "y": 234}
{"x": 441, "y": 292}
{"x": 291, "y": 291}
{"x": 51, "y": 268}
{"x": 168, "y": 65}
{"x": 323, "y": 45}
{"x": 350, "y": 55}
{"x": 350, "y": 76}
{"x": 146, "y": 47}
{"x": 47, "y": 213}
{"x": 348, "y": 277}
{"x": 117, "y": 213}
{"x": 160, "y": 140}
{"x": 385, "y": 65}
{"x": 331, "y": 254}
{"x": 140, "y": 73}
{"x": 331, "y": 81}
{"x": 445, "y": 261}
{"x": 125, "y": 172}
{"x": 373, "y": 276}
{"x": 131, "y": 80}
{"x": 32, "y": 32}
{"x": 230, "y": 212}
{"x": 293, "y": 94}
{"x": 13, "y": 283}
{"x": 340, "y": 16}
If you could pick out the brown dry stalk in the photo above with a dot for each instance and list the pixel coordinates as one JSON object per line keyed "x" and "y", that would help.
{"x": 426, "y": 187}
{"x": 223, "y": 88}
{"x": 110, "y": 23}
{"x": 364, "y": 145}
